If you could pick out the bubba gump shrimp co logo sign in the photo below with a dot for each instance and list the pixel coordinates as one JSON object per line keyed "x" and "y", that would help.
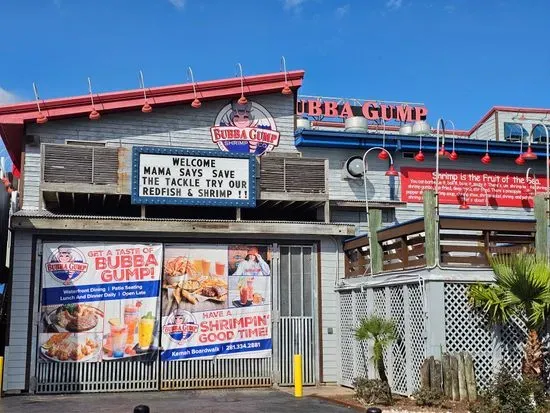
{"x": 66, "y": 264}
{"x": 247, "y": 128}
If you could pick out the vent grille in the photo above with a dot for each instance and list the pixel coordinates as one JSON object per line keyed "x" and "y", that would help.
{"x": 304, "y": 175}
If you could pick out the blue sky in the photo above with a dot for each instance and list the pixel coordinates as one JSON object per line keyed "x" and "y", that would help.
{"x": 459, "y": 57}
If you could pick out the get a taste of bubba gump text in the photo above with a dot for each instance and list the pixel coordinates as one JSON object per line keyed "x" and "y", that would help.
{"x": 192, "y": 177}
{"x": 126, "y": 264}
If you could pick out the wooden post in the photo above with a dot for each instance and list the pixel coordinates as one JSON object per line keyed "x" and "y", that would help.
{"x": 447, "y": 378}
{"x": 454, "y": 378}
{"x": 425, "y": 378}
{"x": 541, "y": 237}
{"x": 463, "y": 390}
{"x": 375, "y": 223}
{"x": 430, "y": 227}
{"x": 470, "y": 377}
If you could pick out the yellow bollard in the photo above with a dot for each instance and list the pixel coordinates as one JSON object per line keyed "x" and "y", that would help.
{"x": 1, "y": 375}
{"x": 298, "y": 381}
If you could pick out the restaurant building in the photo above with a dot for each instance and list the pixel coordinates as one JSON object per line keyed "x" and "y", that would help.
{"x": 192, "y": 236}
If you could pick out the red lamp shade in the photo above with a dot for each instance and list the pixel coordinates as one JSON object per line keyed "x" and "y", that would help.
{"x": 41, "y": 118}
{"x": 286, "y": 90}
{"x": 453, "y": 156}
{"x": 519, "y": 160}
{"x": 529, "y": 155}
{"x": 196, "y": 103}
{"x": 391, "y": 171}
{"x": 242, "y": 100}
{"x": 94, "y": 115}
{"x": 146, "y": 108}
{"x": 419, "y": 157}
{"x": 442, "y": 151}
{"x": 383, "y": 155}
{"x": 464, "y": 205}
{"x": 486, "y": 159}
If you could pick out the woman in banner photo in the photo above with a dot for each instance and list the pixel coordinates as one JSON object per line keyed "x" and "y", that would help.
{"x": 253, "y": 264}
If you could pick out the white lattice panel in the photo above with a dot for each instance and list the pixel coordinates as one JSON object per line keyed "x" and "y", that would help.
{"x": 417, "y": 333}
{"x": 379, "y": 302}
{"x": 347, "y": 340}
{"x": 512, "y": 338}
{"x": 362, "y": 356}
{"x": 466, "y": 330}
{"x": 399, "y": 354}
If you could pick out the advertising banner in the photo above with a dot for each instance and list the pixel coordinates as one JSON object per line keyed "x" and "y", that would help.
{"x": 503, "y": 189}
{"x": 99, "y": 301}
{"x": 216, "y": 302}
{"x": 192, "y": 177}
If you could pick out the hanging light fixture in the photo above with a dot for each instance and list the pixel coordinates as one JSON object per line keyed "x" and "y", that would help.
{"x": 383, "y": 154}
{"x": 486, "y": 159}
{"x": 242, "y": 100}
{"x": 391, "y": 171}
{"x": 464, "y": 204}
{"x": 94, "y": 114}
{"x": 453, "y": 156}
{"x": 146, "y": 108}
{"x": 519, "y": 160}
{"x": 196, "y": 102}
{"x": 419, "y": 157}
{"x": 286, "y": 89}
{"x": 41, "y": 118}
{"x": 529, "y": 155}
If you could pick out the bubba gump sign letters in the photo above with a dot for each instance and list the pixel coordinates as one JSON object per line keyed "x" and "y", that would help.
{"x": 369, "y": 110}
{"x": 192, "y": 177}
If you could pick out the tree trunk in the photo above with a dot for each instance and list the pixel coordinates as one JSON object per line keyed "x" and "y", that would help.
{"x": 383, "y": 376}
{"x": 533, "y": 360}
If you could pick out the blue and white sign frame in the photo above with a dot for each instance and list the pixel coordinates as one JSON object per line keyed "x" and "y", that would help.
{"x": 179, "y": 176}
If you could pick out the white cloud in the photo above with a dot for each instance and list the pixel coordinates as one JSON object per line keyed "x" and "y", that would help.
{"x": 342, "y": 11}
{"x": 394, "y": 4}
{"x": 178, "y": 4}
{"x": 293, "y": 4}
{"x": 7, "y": 97}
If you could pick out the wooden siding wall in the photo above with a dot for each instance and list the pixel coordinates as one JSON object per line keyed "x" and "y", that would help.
{"x": 22, "y": 298}
{"x": 487, "y": 130}
{"x": 180, "y": 126}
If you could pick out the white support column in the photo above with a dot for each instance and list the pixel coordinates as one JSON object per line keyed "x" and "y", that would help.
{"x": 435, "y": 322}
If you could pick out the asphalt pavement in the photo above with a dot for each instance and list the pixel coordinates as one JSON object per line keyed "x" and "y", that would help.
{"x": 206, "y": 401}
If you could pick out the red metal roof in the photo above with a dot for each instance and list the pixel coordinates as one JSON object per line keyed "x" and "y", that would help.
{"x": 14, "y": 117}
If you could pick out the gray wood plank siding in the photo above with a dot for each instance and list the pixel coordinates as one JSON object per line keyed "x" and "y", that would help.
{"x": 330, "y": 307}
{"x": 180, "y": 126}
{"x": 17, "y": 346}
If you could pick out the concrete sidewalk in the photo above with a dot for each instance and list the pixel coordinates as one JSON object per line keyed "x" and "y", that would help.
{"x": 207, "y": 401}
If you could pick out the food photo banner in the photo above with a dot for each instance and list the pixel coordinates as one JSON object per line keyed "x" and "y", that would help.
{"x": 193, "y": 177}
{"x": 503, "y": 189}
{"x": 99, "y": 301}
{"x": 216, "y": 302}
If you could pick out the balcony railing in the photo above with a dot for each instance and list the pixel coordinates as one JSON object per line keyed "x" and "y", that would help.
{"x": 463, "y": 242}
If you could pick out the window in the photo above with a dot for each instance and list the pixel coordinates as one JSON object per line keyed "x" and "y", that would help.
{"x": 388, "y": 215}
{"x": 539, "y": 133}
{"x": 84, "y": 143}
{"x": 513, "y": 132}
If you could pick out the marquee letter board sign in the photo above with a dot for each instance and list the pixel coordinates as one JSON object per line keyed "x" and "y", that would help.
{"x": 174, "y": 176}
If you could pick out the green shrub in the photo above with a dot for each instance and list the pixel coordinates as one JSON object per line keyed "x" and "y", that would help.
{"x": 508, "y": 394}
{"x": 429, "y": 397}
{"x": 370, "y": 391}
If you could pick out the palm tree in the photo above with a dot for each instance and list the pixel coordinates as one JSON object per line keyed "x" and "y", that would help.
{"x": 382, "y": 332}
{"x": 521, "y": 290}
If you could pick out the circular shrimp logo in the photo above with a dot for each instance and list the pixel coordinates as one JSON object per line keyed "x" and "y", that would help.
{"x": 245, "y": 128}
{"x": 180, "y": 326}
{"x": 66, "y": 264}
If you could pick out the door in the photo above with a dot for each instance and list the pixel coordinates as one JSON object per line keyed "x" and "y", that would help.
{"x": 296, "y": 325}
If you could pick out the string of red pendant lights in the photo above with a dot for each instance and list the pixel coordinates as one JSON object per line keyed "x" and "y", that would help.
{"x": 94, "y": 114}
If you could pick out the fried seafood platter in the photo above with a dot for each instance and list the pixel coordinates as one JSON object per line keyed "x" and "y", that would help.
{"x": 70, "y": 347}
{"x": 184, "y": 282}
{"x": 74, "y": 318}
